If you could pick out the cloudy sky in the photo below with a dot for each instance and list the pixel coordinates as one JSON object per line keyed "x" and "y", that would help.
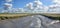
{"x": 49, "y": 5}
{"x": 22, "y": 3}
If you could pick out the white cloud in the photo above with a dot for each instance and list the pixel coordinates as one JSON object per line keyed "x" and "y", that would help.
{"x": 8, "y": 0}
{"x": 37, "y": 6}
{"x": 7, "y": 6}
{"x": 38, "y": 2}
{"x": 29, "y": 5}
{"x": 56, "y": 1}
{"x": 45, "y": 8}
{"x": 55, "y": 7}
{"x": 21, "y": 9}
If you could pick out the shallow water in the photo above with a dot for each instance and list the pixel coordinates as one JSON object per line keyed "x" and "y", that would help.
{"x": 35, "y": 21}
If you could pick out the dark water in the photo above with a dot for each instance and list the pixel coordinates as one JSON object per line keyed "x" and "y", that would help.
{"x": 35, "y": 21}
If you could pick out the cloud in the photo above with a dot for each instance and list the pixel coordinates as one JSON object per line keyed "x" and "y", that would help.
{"x": 7, "y": 6}
{"x": 36, "y": 6}
{"x": 38, "y": 2}
{"x": 56, "y": 1}
{"x": 8, "y": 0}
{"x": 45, "y": 8}
{"x": 55, "y": 7}
{"x": 16, "y": 10}
{"x": 39, "y": 7}
{"x": 28, "y": 8}
{"x": 29, "y": 5}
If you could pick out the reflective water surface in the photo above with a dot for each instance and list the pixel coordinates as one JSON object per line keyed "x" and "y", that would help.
{"x": 35, "y": 21}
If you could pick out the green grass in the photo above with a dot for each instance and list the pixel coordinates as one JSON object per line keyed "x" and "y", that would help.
{"x": 4, "y": 16}
{"x": 52, "y": 16}
{"x": 12, "y": 16}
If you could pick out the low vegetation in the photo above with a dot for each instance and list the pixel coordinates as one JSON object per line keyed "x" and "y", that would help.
{"x": 4, "y": 16}
{"x": 12, "y": 16}
{"x": 52, "y": 16}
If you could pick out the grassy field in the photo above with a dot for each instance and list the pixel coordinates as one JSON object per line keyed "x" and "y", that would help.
{"x": 12, "y": 16}
{"x": 53, "y": 16}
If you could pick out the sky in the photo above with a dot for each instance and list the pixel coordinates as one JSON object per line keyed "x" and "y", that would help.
{"x": 22, "y": 3}
{"x": 48, "y": 5}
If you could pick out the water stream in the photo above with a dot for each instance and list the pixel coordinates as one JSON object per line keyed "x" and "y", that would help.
{"x": 35, "y": 21}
